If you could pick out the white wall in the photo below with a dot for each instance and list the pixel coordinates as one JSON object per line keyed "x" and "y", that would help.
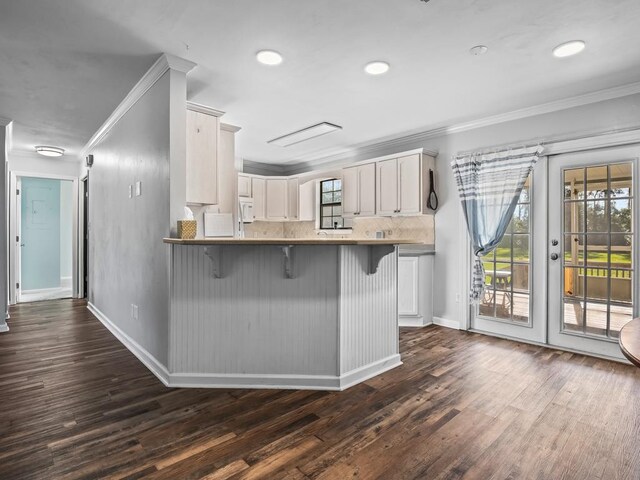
{"x": 450, "y": 227}
{"x": 34, "y": 163}
{"x": 128, "y": 262}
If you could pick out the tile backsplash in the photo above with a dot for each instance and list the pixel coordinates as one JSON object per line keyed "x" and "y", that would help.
{"x": 421, "y": 227}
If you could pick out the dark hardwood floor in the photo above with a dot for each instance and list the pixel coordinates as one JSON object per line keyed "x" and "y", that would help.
{"x": 74, "y": 403}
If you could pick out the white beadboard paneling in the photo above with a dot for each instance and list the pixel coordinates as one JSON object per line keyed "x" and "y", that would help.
{"x": 254, "y": 320}
{"x": 368, "y": 308}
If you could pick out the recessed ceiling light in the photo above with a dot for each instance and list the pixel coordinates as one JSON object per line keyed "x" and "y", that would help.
{"x": 376, "y": 68}
{"x": 569, "y": 48}
{"x": 269, "y": 57}
{"x": 50, "y": 151}
{"x": 478, "y": 50}
{"x": 305, "y": 134}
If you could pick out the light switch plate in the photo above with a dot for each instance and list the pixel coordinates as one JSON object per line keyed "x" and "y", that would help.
{"x": 130, "y": 191}
{"x": 138, "y": 189}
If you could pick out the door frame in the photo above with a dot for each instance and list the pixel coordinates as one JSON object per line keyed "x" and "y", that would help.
{"x": 14, "y": 248}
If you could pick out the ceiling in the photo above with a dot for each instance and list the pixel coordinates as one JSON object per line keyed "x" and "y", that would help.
{"x": 66, "y": 65}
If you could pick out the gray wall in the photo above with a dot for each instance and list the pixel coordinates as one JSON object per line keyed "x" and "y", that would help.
{"x": 450, "y": 228}
{"x": 3, "y": 229}
{"x": 128, "y": 262}
{"x": 66, "y": 228}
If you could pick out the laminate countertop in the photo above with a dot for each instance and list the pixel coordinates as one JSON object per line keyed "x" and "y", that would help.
{"x": 293, "y": 241}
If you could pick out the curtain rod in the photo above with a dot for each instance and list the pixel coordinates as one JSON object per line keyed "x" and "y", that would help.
{"x": 542, "y": 143}
{"x": 496, "y": 150}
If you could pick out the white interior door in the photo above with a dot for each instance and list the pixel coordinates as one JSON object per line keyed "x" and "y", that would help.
{"x": 514, "y": 301}
{"x": 592, "y": 248}
{"x": 18, "y": 238}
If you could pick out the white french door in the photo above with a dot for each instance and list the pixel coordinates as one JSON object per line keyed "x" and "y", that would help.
{"x": 514, "y": 301}
{"x": 592, "y": 248}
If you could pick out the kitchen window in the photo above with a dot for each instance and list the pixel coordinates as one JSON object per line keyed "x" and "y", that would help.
{"x": 331, "y": 204}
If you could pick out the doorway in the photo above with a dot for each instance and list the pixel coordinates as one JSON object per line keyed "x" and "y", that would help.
{"x": 45, "y": 227}
{"x": 564, "y": 274}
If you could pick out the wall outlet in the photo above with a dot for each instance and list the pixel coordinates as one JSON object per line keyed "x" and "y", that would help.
{"x": 134, "y": 312}
{"x": 138, "y": 189}
{"x": 458, "y": 298}
{"x": 130, "y": 191}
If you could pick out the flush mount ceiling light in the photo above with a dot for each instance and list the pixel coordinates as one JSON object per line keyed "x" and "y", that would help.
{"x": 305, "y": 134}
{"x": 50, "y": 151}
{"x": 376, "y": 68}
{"x": 569, "y": 48}
{"x": 478, "y": 50}
{"x": 269, "y": 57}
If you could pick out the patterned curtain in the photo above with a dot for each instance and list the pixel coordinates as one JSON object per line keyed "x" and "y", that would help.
{"x": 489, "y": 186}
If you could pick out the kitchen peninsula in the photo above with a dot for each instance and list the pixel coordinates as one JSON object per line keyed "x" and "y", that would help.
{"x": 282, "y": 312}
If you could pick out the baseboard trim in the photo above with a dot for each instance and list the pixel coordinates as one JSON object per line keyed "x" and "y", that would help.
{"x": 445, "y": 322}
{"x": 149, "y": 361}
{"x": 250, "y": 381}
{"x": 361, "y": 374}
{"x": 413, "y": 322}
{"x": 4, "y": 327}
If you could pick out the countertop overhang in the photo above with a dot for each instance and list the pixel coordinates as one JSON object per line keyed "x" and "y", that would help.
{"x": 292, "y": 241}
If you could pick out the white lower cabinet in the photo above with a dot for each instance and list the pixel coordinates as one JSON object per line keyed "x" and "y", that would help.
{"x": 415, "y": 289}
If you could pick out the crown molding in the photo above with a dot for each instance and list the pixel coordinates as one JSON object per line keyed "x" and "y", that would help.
{"x": 163, "y": 64}
{"x": 198, "y": 107}
{"x": 259, "y": 168}
{"x": 227, "y": 127}
{"x": 4, "y": 121}
{"x": 177, "y": 63}
{"x": 405, "y": 142}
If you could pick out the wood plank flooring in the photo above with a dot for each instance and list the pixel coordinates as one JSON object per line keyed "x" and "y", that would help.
{"x": 74, "y": 403}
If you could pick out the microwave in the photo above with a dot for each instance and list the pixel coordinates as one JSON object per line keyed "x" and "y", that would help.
{"x": 245, "y": 210}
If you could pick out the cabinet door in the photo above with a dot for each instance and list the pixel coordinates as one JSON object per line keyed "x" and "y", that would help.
{"x": 350, "y": 192}
{"x": 408, "y": 286}
{"x": 276, "y": 202}
{"x": 409, "y": 185}
{"x": 258, "y": 190}
{"x": 244, "y": 186}
{"x": 202, "y": 157}
{"x": 307, "y": 204}
{"x": 367, "y": 183}
{"x": 292, "y": 194}
{"x": 387, "y": 187}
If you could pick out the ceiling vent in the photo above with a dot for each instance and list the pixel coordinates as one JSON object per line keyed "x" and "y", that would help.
{"x": 305, "y": 134}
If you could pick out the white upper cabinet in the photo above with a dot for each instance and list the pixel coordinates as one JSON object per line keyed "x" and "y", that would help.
{"x": 359, "y": 191}
{"x": 292, "y": 193}
{"x": 409, "y": 185}
{"x": 277, "y": 198}
{"x": 399, "y": 186}
{"x": 387, "y": 187}
{"x": 259, "y": 198}
{"x": 307, "y": 203}
{"x": 367, "y": 183}
{"x": 350, "y": 192}
{"x": 202, "y": 158}
{"x": 244, "y": 185}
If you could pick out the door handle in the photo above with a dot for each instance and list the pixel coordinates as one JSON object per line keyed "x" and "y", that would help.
{"x": 554, "y": 256}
